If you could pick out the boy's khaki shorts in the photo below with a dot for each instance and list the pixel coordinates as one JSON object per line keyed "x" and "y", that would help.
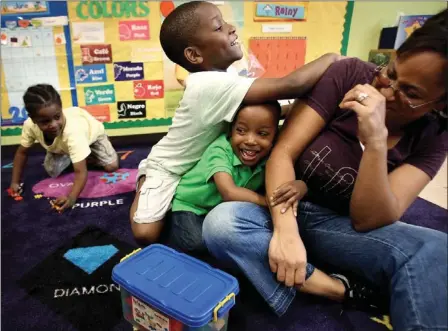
{"x": 102, "y": 154}
{"x": 156, "y": 193}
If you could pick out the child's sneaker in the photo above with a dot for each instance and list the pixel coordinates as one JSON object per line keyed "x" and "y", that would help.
{"x": 359, "y": 296}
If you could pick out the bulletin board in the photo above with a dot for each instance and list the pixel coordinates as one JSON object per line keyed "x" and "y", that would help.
{"x": 105, "y": 56}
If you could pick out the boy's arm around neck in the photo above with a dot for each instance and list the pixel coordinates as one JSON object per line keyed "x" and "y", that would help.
{"x": 291, "y": 86}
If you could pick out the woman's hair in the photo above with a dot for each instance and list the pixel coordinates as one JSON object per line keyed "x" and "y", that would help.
{"x": 40, "y": 96}
{"x": 432, "y": 36}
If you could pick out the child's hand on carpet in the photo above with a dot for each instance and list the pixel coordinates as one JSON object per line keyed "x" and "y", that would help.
{"x": 63, "y": 203}
{"x": 15, "y": 189}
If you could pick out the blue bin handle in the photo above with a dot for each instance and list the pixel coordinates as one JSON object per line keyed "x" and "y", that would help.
{"x": 221, "y": 304}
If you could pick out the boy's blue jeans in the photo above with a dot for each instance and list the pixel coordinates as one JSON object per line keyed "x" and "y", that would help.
{"x": 408, "y": 261}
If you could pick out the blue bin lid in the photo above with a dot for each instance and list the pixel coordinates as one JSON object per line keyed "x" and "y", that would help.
{"x": 176, "y": 284}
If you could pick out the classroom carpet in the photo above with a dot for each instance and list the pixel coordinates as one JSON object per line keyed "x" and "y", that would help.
{"x": 56, "y": 268}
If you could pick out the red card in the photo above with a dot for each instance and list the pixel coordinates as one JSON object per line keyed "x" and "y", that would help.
{"x": 148, "y": 89}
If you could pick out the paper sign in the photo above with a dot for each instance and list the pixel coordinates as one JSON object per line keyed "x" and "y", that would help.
{"x": 276, "y": 28}
{"x": 11, "y": 24}
{"x": 23, "y": 7}
{"x": 14, "y": 40}
{"x": 84, "y": 32}
{"x": 146, "y": 54}
{"x": 50, "y": 21}
{"x": 148, "y": 89}
{"x": 95, "y": 73}
{"x": 131, "y": 109}
{"x": 273, "y": 10}
{"x": 96, "y": 54}
{"x": 128, "y": 71}
{"x": 4, "y": 38}
{"x": 149, "y": 318}
{"x": 24, "y": 41}
{"x": 134, "y": 30}
{"x": 279, "y": 56}
{"x": 100, "y": 112}
{"x": 95, "y": 95}
{"x": 24, "y": 23}
{"x": 59, "y": 39}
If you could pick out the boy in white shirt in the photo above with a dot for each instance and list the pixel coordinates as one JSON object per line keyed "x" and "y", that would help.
{"x": 196, "y": 37}
{"x": 71, "y": 135}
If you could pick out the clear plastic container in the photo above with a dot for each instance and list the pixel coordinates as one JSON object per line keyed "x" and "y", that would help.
{"x": 163, "y": 290}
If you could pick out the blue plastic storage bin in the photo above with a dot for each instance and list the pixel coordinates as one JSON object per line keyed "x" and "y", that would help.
{"x": 163, "y": 290}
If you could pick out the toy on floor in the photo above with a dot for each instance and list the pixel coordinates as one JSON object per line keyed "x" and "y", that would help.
{"x": 55, "y": 206}
{"x": 16, "y": 196}
{"x": 162, "y": 289}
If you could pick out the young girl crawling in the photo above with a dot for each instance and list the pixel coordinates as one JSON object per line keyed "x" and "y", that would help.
{"x": 69, "y": 135}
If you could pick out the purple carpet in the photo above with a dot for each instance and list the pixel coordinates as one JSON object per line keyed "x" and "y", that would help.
{"x": 56, "y": 268}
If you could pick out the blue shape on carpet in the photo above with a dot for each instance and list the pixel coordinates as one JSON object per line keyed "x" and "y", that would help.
{"x": 113, "y": 178}
{"x": 7, "y": 166}
{"x": 90, "y": 258}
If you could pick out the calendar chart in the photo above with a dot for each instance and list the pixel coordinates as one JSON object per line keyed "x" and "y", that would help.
{"x": 28, "y": 58}
{"x": 105, "y": 55}
{"x": 33, "y": 51}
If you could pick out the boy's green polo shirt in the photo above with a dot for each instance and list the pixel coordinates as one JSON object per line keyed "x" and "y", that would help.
{"x": 197, "y": 192}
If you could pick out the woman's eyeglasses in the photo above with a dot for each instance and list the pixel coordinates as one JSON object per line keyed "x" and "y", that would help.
{"x": 384, "y": 80}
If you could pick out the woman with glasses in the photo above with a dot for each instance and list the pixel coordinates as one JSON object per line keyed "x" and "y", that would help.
{"x": 366, "y": 141}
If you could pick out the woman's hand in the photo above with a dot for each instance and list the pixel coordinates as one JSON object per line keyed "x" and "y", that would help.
{"x": 289, "y": 194}
{"x": 370, "y": 107}
{"x": 287, "y": 257}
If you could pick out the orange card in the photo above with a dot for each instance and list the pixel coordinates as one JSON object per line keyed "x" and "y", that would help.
{"x": 279, "y": 55}
{"x": 100, "y": 112}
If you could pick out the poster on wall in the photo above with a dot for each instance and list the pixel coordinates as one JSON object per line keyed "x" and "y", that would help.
{"x": 407, "y": 25}
{"x": 117, "y": 35}
{"x": 31, "y": 53}
{"x": 106, "y": 57}
{"x": 23, "y": 7}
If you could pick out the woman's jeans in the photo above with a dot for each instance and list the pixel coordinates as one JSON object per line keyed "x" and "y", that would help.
{"x": 408, "y": 261}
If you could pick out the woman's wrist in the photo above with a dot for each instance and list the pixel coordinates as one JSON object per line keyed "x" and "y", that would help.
{"x": 285, "y": 222}
{"x": 379, "y": 141}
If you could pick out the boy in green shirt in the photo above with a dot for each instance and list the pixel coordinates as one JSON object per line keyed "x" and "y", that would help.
{"x": 231, "y": 169}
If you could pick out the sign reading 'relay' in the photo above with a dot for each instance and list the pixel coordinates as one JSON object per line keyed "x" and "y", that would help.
{"x": 96, "y": 54}
{"x": 134, "y": 30}
{"x": 148, "y": 89}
